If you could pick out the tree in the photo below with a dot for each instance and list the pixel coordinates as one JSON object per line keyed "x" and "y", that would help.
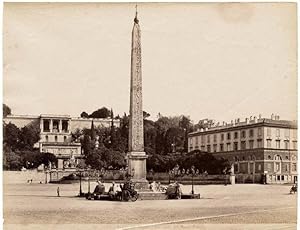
{"x": 100, "y": 113}
{"x": 11, "y": 136}
{"x": 185, "y": 124}
{"x": 11, "y": 161}
{"x": 28, "y": 135}
{"x": 6, "y": 110}
{"x": 84, "y": 115}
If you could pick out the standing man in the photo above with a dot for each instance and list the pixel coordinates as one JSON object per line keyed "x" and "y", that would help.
{"x": 58, "y": 192}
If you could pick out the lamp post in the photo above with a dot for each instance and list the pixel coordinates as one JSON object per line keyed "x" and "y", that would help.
{"x": 46, "y": 179}
{"x": 193, "y": 173}
{"x": 80, "y": 185}
{"x": 89, "y": 185}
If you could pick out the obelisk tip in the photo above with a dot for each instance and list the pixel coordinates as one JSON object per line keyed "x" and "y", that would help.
{"x": 136, "y": 19}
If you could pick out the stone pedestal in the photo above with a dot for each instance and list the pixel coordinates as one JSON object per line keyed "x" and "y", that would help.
{"x": 137, "y": 169}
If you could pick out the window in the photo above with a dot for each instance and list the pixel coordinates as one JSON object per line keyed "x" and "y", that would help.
{"x": 269, "y": 167}
{"x": 46, "y": 125}
{"x": 228, "y": 147}
{"x": 215, "y": 147}
{"x": 269, "y": 157}
{"x": 282, "y": 177}
{"x": 191, "y": 141}
{"x": 294, "y": 167}
{"x": 55, "y": 126}
{"x": 259, "y": 132}
{"x": 236, "y": 135}
{"x": 243, "y": 134}
{"x": 251, "y": 144}
{"x": 65, "y": 138}
{"x": 294, "y": 133}
{"x": 202, "y": 139}
{"x": 286, "y": 157}
{"x": 259, "y": 167}
{"x": 221, "y": 147}
{"x": 286, "y": 144}
{"x": 208, "y": 138}
{"x": 268, "y": 132}
{"x": 243, "y": 158}
{"x": 47, "y": 138}
{"x": 65, "y": 126}
{"x": 215, "y": 137}
{"x": 55, "y": 138}
{"x": 287, "y": 133}
{"x": 294, "y": 144}
{"x": 203, "y": 148}
{"x": 196, "y": 141}
{"x": 251, "y": 133}
{"x": 243, "y": 145}
{"x": 222, "y": 137}
{"x": 228, "y": 136}
{"x": 208, "y": 148}
{"x": 286, "y": 168}
{"x": 259, "y": 143}
{"x": 277, "y": 144}
{"x": 277, "y": 158}
{"x": 269, "y": 143}
{"x": 277, "y": 167}
{"x": 277, "y": 132}
{"x": 235, "y": 146}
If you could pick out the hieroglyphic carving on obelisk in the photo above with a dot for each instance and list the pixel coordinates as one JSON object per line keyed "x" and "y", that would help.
{"x": 136, "y": 133}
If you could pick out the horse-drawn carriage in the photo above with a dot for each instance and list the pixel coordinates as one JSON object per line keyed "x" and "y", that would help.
{"x": 115, "y": 193}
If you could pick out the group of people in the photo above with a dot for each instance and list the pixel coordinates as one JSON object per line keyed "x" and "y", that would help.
{"x": 157, "y": 187}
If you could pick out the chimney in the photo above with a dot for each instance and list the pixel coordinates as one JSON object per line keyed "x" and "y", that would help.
{"x": 246, "y": 120}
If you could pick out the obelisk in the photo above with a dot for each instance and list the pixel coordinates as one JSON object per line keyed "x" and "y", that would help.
{"x": 136, "y": 155}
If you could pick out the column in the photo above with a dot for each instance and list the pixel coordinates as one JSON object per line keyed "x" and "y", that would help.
{"x": 68, "y": 128}
{"x": 59, "y": 126}
{"x": 41, "y": 125}
{"x": 51, "y": 126}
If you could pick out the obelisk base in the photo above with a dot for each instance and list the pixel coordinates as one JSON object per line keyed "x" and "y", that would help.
{"x": 137, "y": 170}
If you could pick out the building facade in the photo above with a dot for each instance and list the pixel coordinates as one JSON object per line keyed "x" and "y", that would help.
{"x": 56, "y": 134}
{"x": 261, "y": 150}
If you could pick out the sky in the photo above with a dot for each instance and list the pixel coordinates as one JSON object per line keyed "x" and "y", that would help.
{"x": 220, "y": 61}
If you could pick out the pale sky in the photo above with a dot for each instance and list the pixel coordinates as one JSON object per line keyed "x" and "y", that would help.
{"x": 219, "y": 61}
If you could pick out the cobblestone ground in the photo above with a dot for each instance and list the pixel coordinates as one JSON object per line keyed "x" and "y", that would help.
{"x": 247, "y": 206}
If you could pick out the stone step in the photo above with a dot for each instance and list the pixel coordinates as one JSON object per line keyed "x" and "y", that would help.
{"x": 152, "y": 196}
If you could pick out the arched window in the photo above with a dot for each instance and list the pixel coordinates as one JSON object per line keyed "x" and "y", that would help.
{"x": 277, "y": 158}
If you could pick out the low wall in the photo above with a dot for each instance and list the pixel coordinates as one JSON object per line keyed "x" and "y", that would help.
{"x": 21, "y": 177}
{"x": 164, "y": 178}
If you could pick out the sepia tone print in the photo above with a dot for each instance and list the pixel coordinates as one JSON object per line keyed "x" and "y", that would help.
{"x": 150, "y": 116}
